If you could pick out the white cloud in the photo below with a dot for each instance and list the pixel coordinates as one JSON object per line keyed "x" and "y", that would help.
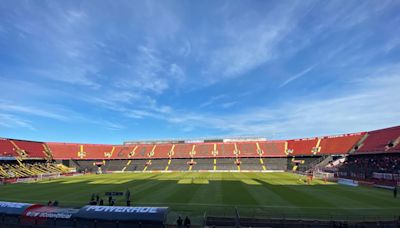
{"x": 250, "y": 40}
{"x": 184, "y": 49}
{"x": 228, "y": 104}
{"x": 296, "y": 76}
{"x": 75, "y": 16}
{"x": 129, "y": 64}
{"x": 392, "y": 45}
{"x": 149, "y": 72}
{"x": 176, "y": 73}
{"x": 212, "y": 100}
{"x": 12, "y": 121}
{"x": 31, "y": 111}
{"x": 368, "y": 104}
{"x": 107, "y": 124}
{"x": 81, "y": 74}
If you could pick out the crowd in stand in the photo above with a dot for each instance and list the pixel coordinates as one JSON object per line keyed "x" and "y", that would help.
{"x": 364, "y": 165}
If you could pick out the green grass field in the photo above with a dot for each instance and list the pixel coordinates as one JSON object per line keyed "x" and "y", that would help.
{"x": 253, "y": 194}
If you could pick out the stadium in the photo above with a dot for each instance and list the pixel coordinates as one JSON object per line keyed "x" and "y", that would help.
{"x": 226, "y": 182}
{"x": 245, "y": 113}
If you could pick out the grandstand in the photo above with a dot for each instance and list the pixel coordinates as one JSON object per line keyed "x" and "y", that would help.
{"x": 221, "y": 154}
{"x": 373, "y": 158}
{"x": 21, "y": 158}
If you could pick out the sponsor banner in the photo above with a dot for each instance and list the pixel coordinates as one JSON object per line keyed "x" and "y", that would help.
{"x": 348, "y": 182}
{"x": 366, "y": 183}
{"x": 114, "y": 193}
{"x": 12, "y": 208}
{"x": 272, "y": 171}
{"x": 117, "y": 213}
{"x": 202, "y": 171}
{"x": 47, "y": 212}
{"x": 45, "y": 215}
{"x": 8, "y": 158}
{"x": 28, "y": 179}
{"x": 50, "y": 175}
{"x": 9, "y": 180}
{"x": 383, "y": 186}
{"x": 386, "y": 176}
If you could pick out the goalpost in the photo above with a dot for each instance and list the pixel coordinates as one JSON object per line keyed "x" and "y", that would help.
{"x": 323, "y": 175}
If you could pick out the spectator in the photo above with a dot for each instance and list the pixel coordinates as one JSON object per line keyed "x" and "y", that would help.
{"x": 55, "y": 203}
{"x": 128, "y": 194}
{"x": 363, "y": 166}
{"x": 187, "y": 222}
{"x": 109, "y": 200}
{"x": 179, "y": 221}
{"x": 92, "y": 202}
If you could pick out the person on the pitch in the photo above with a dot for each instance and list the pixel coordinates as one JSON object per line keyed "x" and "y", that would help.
{"x": 186, "y": 223}
{"x": 128, "y": 197}
{"x": 395, "y": 192}
{"x": 179, "y": 221}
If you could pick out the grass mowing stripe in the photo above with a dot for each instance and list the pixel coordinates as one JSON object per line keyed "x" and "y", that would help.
{"x": 253, "y": 193}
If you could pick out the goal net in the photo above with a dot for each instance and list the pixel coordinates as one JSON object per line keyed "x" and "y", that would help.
{"x": 323, "y": 175}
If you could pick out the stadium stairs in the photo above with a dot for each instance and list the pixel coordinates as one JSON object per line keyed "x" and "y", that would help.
{"x": 303, "y": 163}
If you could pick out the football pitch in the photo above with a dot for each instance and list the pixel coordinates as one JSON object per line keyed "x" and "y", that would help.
{"x": 195, "y": 194}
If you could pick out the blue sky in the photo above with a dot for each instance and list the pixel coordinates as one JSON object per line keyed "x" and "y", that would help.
{"x": 109, "y": 71}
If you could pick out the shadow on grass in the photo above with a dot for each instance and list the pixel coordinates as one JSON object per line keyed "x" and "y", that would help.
{"x": 195, "y": 196}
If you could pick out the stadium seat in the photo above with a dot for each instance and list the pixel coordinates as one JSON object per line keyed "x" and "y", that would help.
{"x": 64, "y": 151}
{"x": 162, "y": 150}
{"x": 204, "y": 150}
{"x": 340, "y": 144}
{"x": 182, "y": 150}
{"x": 32, "y": 149}
{"x": 274, "y": 148}
{"x": 7, "y": 149}
{"x": 247, "y": 149}
{"x": 378, "y": 141}
{"x": 308, "y": 147}
{"x": 225, "y": 150}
